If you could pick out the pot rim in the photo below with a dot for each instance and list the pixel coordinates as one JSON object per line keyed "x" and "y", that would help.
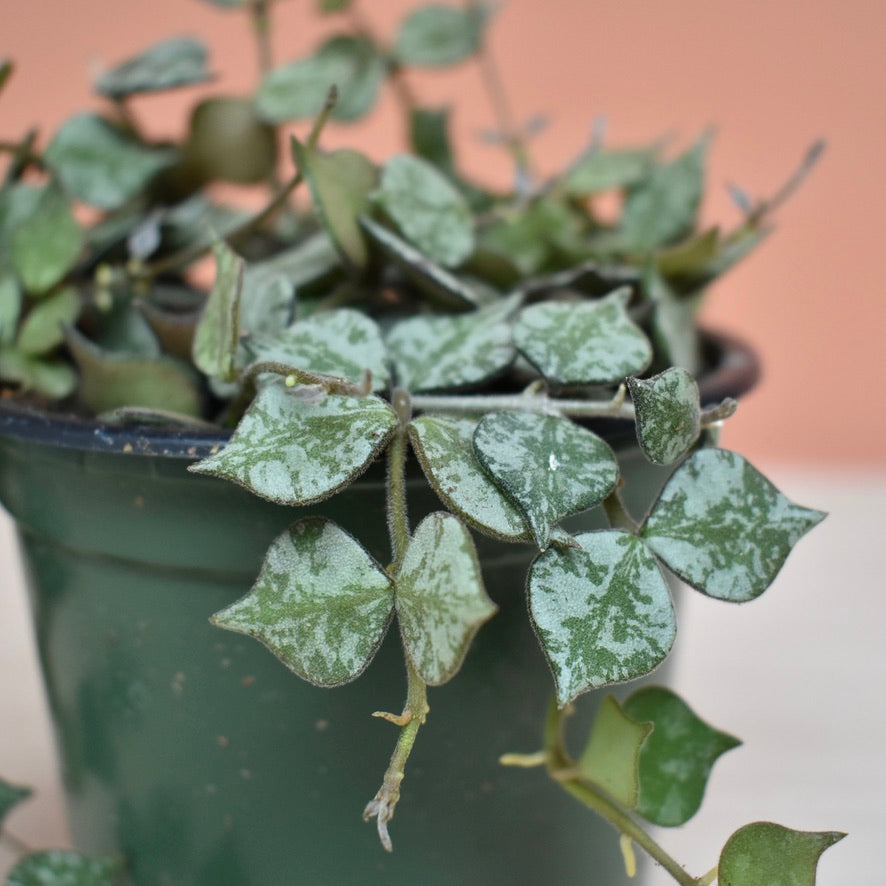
{"x": 736, "y": 370}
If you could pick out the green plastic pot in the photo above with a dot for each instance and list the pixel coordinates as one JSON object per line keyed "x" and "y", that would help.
{"x": 199, "y": 757}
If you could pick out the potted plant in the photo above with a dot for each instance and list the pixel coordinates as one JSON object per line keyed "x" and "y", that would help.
{"x": 406, "y": 398}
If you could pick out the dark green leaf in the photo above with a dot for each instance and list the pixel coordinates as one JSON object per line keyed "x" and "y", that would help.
{"x": 293, "y": 451}
{"x": 180, "y": 61}
{"x": 60, "y": 866}
{"x": 44, "y": 326}
{"x": 603, "y": 170}
{"x": 676, "y": 760}
{"x": 321, "y": 603}
{"x": 10, "y": 795}
{"x": 333, "y": 5}
{"x": 690, "y": 257}
{"x": 429, "y": 137}
{"x": 768, "y": 853}
{"x": 668, "y": 415}
{"x": 218, "y": 332}
{"x": 10, "y": 307}
{"x": 723, "y": 527}
{"x": 6, "y": 69}
{"x": 228, "y": 4}
{"x": 436, "y": 35}
{"x": 602, "y": 612}
{"x": 51, "y": 378}
{"x": 441, "y": 602}
{"x": 548, "y": 466}
{"x": 673, "y": 322}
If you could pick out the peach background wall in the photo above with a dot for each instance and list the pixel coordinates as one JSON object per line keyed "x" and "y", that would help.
{"x": 770, "y": 75}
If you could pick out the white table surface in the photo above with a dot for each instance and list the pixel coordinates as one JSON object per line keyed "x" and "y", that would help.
{"x": 799, "y": 675}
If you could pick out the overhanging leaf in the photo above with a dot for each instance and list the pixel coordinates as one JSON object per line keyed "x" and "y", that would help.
{"x": 218, "y": 331}
{"x": 586, "y": 343}
{"x": 292, "y": 451}
{"x": 436, "y": 35}
{"x": 321, "y": 603}
{"x": 548, "y": 466}
{"x": 723, "y": 527}
{"x": 11, "y": 795}
{"x": 44, "y": 326}
{"x": 440, "y": 598}
{"x": 63, "y": 866}
{"x": 668, "y": 415}
{"x": 768, "y": 853}
{"x": 676, "y": 760}
{"x": 602, "y": 612}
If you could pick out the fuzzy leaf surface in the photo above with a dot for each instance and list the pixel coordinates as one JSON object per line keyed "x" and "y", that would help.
{"x": 99, "y": 165}
{"x": 429, "y": 211}
{"x": 445, "y": 449}
{"x": 668, "y": 414}
{"x": 217, "y": 333}
{"x": 764, "y": 852}
{"x": 548, "y": 466}
{"x": 611, "y": 757}
{"x": 436, "y": 352}
{"x": 44, "y": 326}
{"x": 180, "y": 61}
{"x": 11, "y": 795}
{"x": 293, "y": 451}
{"x": 587, "y": 343}
{"x": 723, "y": 527}
{"x": 602, "y": 612}
{"x": 321, "y": 603}
{"x": 441, "y": 601}
{"x": 437, "y": 35}
{"x": 676, "y": 760}
{"x": 61, "y": 866}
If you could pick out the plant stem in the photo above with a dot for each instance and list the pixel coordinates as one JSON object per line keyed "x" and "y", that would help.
{"x": 261, "y": 25}
{"x": 398, "y": 520}
{"x": 616, "y": 512}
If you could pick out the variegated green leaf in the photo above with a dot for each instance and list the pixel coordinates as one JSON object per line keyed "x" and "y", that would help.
{"x": 436, "y": 35}
{"x": 11, "y": 795}
{"x": 341, "y": 342}
{"x": 44, "y": 326}
{"x": 548, "y": 466}
{"x": 218, "y": 331}
{"x": 668, "y": 415}
{"x": 295, "y": 451}
{"x": 441, "y": 351}
{"x": 723, "y": 527}
{"x": 611, "y": 757}
{"x": 315, "y": 258}
{"x": 441, "y": 602}
{"x": 586, "y": 343}
{"x": 321, "y": 603}
{"x": 10, "y": 307}
{"x": 429, "y": 211}
{"x": 444, "y": 446}
{"x": 676, "y": 760}
{"x": 602, "y": 612}
{"x": 769, "y": 853}
{"x": 267, "y": 301}
{"x": 62, "y": 866}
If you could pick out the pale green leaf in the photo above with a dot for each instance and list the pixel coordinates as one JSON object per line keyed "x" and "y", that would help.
{"x": 442, "y": 351}
{"x": 10, "y": 795}
{"x": 428, "y": 210}
{"x": 267, "y": 301}
{"x": 436, "y": 35}
{"x": 668, "y": 415}
{"x": 314, "y": 259}
{"x": 180, "y": 61}
{"x": 46, "y": 244}
{"x": 440, "y": 598}
{"x": 52, "y": 378}
{"x": 18, "y": 201}
{"x": 591, "y": 342}
{"x": 321, "y": 603}
{"x": 55, "y": 867}
{"x": 690, "y": 257}
{"x": 676, "y": 760}
{"x": 604, "y": 169}
{"x": 218, "y": 330}
{"x": 673, "y": 322}
{"x": 548, "y": 466}
{"x": 10, "y": 307}
{"x": 44, "y": 326}
{"x": 723, "y": 527}
{"x": 611, "y": 758}
{"x": 602, "y": 612}
{"x": 769, "y": 853}
{"x": 293, "y": 450}
{"x": 445, "y": 450}
{"x": 99, "y": 164}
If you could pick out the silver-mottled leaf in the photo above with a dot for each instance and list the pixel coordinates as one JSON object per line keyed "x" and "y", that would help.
{"x": 723, "y": 527}
{"x": 295, "y": 451}
{"x": 321, "y": 603}
{"x": 218, "y": 330}
{"x": 586, "y": 343}
{"x": 548, "y": 466}
{"x": 44, "y": 326}
{"x": 441, "y": 602}
{"x": 437, "y": 35}
{"x": 667, "y": 414}
{"x": 442, "y": 351}
{"x": 62, "y": 866}
{"x": 429, "y": 211}
{"x": 602, "y": 613}
{"x": 445, "y": 450}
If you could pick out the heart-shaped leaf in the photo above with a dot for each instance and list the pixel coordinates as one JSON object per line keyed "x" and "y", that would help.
{"x": 63, "y": 866}
{"x": 321, "y": 603}
{"x": 769, "y": 853}
{"x": 429, "y": 211}
{"x": 436, "y": 352}
{"x": 611, "y": 757}
{"x": 44, "y": 326}
{"x": 295, "y": 451}
{"x": 11, "y": 795}
{"x": 548, "y": 466}
{"x": 723, "y": 527}
{"x": 668, "y": 415}
{"x": 441, "y": 602}
{"x": 586, "y": 343}
{"x": 437, "y": 35}
{"x": 218, "y": 331}
{"x": 676, "y": 760}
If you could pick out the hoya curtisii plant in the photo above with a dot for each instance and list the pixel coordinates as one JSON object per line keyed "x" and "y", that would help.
{"x": 406, "y": 309}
